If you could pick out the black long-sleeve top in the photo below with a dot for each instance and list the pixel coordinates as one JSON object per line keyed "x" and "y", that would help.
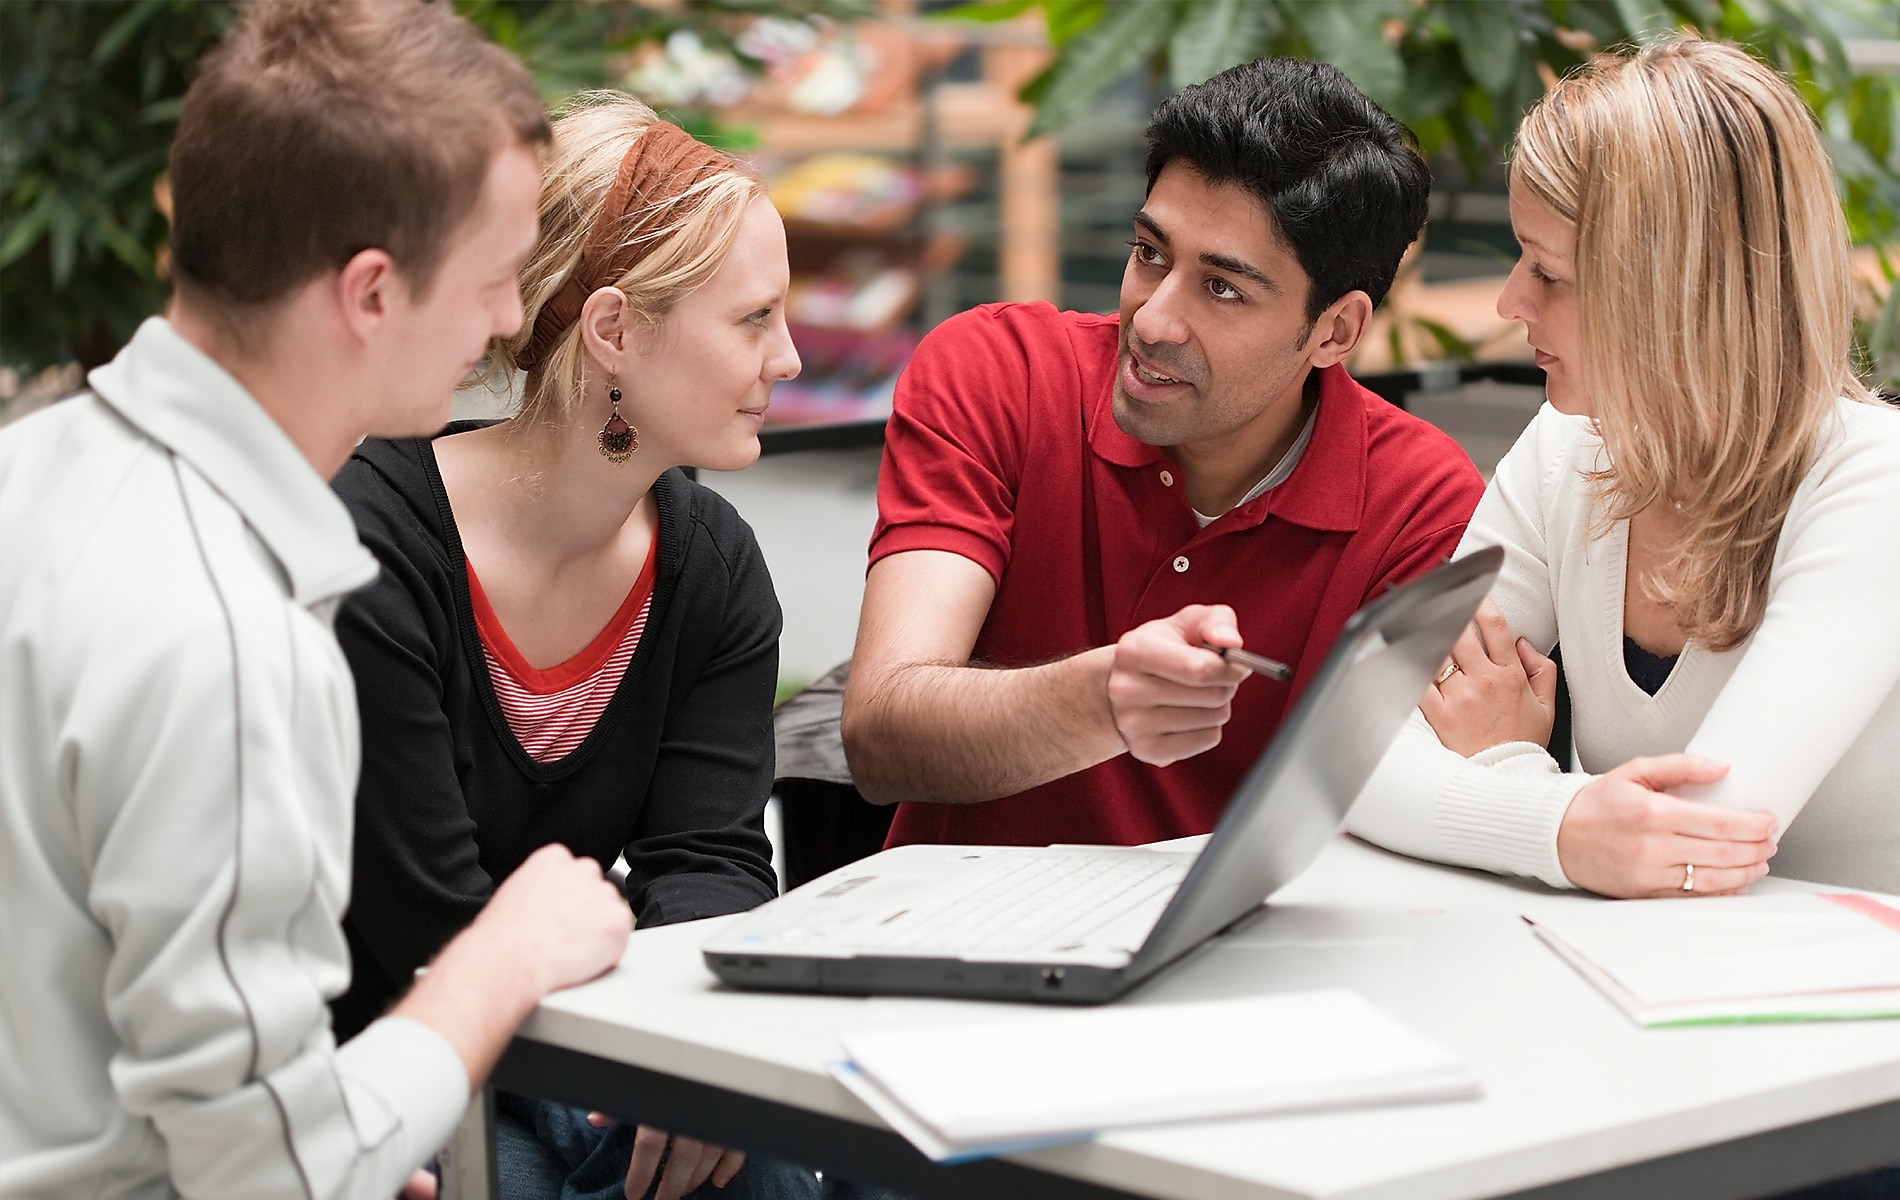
{"x": 674, "y": 775}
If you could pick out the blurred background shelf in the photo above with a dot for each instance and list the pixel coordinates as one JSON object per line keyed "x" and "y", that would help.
{"x": 921, "y": 197}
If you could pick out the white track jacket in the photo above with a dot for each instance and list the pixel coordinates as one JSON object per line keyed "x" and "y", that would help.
{"x": 178, "y": 757}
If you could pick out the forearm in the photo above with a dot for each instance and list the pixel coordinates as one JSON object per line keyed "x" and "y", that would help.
{"x": 554, "y": 922}
{"x": 475, "y": 993}
{"x": 961, "y": 735}
{"x": 1498, "y": 811}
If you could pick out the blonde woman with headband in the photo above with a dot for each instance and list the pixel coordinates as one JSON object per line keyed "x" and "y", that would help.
{"x": 570, "y": 641}
{"x": 1702, "y": 516}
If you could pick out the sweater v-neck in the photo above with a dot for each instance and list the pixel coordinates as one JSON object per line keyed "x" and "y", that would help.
{"x": 665, "y": 563}
{"x": 1616, "y": 545}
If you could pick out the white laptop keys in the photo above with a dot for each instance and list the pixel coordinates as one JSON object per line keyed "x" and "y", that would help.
{"x": 1083, "y": 924}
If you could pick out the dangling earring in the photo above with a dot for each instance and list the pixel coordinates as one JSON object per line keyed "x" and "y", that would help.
{"x": 618, "y": 440}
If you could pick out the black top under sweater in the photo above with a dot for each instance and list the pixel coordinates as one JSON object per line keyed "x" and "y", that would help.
{"x": 674, "y": 775}
{"x": 1647, "y": 670}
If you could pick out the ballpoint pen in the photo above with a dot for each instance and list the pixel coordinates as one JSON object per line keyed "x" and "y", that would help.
{"x": 1257, "y": 663}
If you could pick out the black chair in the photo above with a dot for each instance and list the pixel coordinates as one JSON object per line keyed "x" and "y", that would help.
{"x": 825, "y": 823}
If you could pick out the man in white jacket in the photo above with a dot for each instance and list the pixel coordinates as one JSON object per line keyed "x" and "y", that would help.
{"x": 355, "y": 185}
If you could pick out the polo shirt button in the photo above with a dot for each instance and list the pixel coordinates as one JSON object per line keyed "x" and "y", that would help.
{"x": 1180, "y": 563}
{"x": 1167, "y": 479}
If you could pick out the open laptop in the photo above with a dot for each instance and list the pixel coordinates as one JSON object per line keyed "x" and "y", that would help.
{"x": 1083, "y": 924}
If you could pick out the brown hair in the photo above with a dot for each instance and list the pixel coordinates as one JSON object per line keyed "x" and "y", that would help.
{"x": 321, "y": 128}
{"x": 1716, "y": 301}
{"x": 656, "y": 254}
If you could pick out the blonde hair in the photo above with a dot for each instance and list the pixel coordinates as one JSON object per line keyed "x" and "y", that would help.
{"x": 592, "y": 133}
{"x": 1715, "y": 296}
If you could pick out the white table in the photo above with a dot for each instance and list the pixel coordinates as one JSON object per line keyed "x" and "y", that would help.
{"x": 1578, "y": 1101}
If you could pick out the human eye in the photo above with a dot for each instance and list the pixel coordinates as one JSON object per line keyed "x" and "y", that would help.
{"x": 1542, "y": 276}
{"x": 1222, "y": 290}
{"x": 760, "y": 316}
{"x": 1145, "y": 253}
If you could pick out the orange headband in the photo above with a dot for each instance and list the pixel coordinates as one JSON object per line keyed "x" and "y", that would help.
{"x": 661, "y": 165}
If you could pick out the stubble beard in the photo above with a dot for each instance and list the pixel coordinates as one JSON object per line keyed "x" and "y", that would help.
{"x": 1186, "y": 420}
{"x": 1168, "y": 425}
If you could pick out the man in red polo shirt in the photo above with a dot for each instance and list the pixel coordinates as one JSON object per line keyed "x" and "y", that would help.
{"x": 1074, "y": 508}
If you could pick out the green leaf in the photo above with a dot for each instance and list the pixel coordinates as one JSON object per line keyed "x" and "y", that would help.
{"x": 1069, "y": 19}
{"x": 1488, "y": 40}
{"x": 1703, "y": 14}
{"x": 1870, "y": 112}
{"x": 162, "y": 112}
{"x": 1449, "y": 342}
{"x": 1598, "y": 18}
{"x": 1215, "y": 35}
{"x": 1435, "y": 77}
{"x": 62, "y": 227}
{"x": 985, "y": 10}
{"x": 1031, "y": 93}
{"x": 1885, "y": 337}
{"x": 1473, "y": 152}
{"x": 1433, "y": 133}
{"x": 1528, "y": 90}
{"x": 123, "y": 246}
{"x": 123, "y": 30}
{"x": 22, "y": 233}
{"x": 1646, "y": 20}
{"x": 1352, "y": 38}
{"x": 1128, "y": 33}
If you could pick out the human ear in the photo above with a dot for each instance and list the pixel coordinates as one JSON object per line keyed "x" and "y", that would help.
{"x": 604, "y": 334}
{"x": 1338, "y": 329}
{"x": 364, "y": 288}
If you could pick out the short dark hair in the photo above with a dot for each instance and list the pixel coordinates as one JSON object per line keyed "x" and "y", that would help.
{"x": 1342, "y": 180}
{"x": 321, "y": 128}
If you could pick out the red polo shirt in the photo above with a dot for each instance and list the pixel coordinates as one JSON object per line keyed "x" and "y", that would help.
{"x": 1003, "y": 448}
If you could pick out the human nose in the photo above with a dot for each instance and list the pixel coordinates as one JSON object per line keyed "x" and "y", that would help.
{"x": 1513, "y": 304}
{"x": 508, "y": 314}
{"x": 782, "y": 361}
{"x": 1157, "y": 318}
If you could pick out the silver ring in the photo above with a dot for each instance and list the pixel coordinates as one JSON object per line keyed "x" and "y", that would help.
{"x": 1688, "y": 877}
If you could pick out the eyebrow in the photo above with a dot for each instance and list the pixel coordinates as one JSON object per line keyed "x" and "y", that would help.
{"x": 1222, "y": 262}
{"x": 1538, "y": 246}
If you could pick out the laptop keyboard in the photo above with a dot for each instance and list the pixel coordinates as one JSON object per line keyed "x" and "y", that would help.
{"x": 1035, "y": 902}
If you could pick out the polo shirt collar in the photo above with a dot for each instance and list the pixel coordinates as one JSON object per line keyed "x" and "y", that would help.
{"x": 1327, "y": 490}
{"x": 178, "y": 396}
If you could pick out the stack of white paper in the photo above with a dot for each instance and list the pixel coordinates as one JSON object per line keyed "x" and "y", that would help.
{"x": 975, "y": 1090}
{"x": 1809, "y": 957}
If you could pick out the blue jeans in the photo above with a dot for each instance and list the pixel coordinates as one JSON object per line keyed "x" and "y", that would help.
{"x": 547, "y": 1151}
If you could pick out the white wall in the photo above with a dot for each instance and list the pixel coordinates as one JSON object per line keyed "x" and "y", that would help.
{"x": 813, "y": 514}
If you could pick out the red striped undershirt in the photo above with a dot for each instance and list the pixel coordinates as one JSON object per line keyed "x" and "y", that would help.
{"x": 552, "y": 711}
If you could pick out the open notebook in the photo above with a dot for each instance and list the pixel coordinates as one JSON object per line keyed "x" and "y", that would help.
{"x": 1815, "y": 956}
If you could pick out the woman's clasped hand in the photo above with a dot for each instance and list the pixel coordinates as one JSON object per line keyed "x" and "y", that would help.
{"x": 1623, "y": 834}
{"x": 1494, "y": 689}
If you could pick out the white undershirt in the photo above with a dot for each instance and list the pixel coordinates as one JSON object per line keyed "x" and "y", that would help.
{"x": 1277, "y": 476}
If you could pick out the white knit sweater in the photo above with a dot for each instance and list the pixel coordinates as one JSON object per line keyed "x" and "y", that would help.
{"x": 1806, "y": 712}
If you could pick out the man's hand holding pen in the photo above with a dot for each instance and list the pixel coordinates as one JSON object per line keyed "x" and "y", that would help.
{"x": 1172, "y": 685}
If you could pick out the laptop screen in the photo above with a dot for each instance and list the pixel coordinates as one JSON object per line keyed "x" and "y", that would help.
{"x": 1292, "y": 802}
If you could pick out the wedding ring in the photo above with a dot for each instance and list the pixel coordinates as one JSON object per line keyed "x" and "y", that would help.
{"x": 1688, "y": 877}
{"x": 1451, "y": 668}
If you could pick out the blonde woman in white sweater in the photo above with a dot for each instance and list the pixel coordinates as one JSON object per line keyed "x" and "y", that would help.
{"x": 1703, "y": 516}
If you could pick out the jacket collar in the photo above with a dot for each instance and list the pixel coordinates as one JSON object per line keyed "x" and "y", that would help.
{"x": 179, "y": 397}
{"x": 1327, "y": 490}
